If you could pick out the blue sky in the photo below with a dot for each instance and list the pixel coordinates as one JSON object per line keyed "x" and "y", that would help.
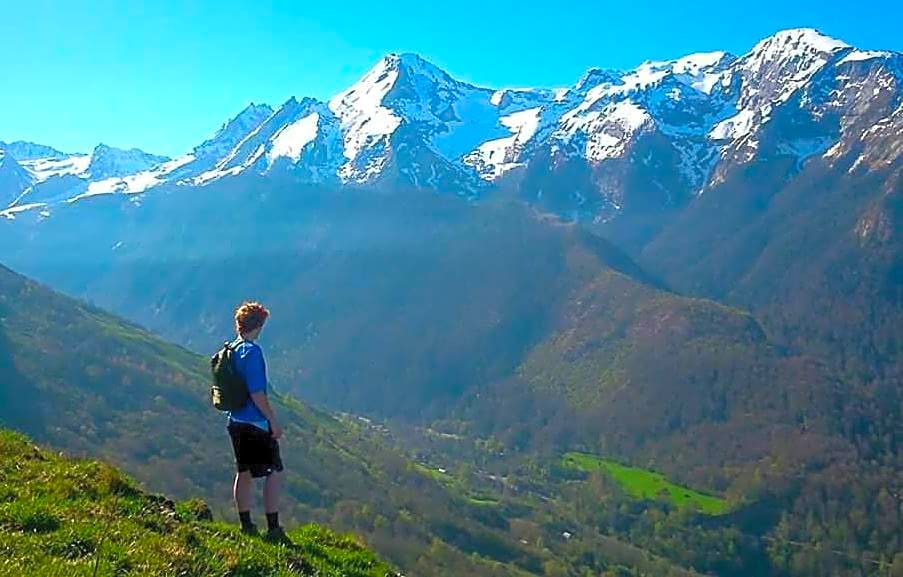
{"x": 163, "y": 75}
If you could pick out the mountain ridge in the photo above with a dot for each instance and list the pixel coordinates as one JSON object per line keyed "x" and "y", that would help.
{"x": 48, "y": 176}
{"x": 410, "y": 123}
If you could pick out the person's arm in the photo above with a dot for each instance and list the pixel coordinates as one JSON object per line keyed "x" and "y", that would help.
{"x": 263, "y": 403}
{"x": 256, "y": 377}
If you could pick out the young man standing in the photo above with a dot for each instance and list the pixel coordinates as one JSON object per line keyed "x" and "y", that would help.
{"x": 254, "y": 429}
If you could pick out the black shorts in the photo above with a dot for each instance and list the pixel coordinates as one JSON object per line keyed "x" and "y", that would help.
{"x": 255, "y": 449}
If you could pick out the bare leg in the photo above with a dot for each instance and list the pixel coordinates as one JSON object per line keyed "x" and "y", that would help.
{"x": 271, "y": 489}
{"x": 241, "y": 491}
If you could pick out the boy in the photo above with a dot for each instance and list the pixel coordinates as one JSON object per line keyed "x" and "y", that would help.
{"x": 254, "y": 429}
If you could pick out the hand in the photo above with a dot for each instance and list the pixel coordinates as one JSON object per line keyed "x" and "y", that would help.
{"x": 275, "y": 430}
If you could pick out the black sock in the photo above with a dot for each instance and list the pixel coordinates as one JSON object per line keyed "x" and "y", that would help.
{"x": 245, "y": 518}
{"x": 272, "y": 520}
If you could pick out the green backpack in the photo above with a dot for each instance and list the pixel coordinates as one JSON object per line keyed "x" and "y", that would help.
{"x": 229, "y": 392}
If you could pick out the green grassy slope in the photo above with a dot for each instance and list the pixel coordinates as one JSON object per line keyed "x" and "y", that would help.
{"x": 63, "y": 517}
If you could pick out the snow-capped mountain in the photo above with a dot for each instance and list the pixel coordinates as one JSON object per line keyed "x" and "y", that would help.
{"x": 769, "y": 76}
{"x": 230, "y": 134}
{"x": 668, "y": 131}
{"x": 48, "y": 175}
{"x": 285, "y": 134}
{"x": 660, "y": 133}
{"x": 188, "y": 169}
{"x": 403, "y": 95}
{"x": 107, "y": 162}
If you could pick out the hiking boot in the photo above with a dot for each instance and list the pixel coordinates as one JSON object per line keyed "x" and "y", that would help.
{"x": 277, "y": 535}
{"x": 250, "y": 530}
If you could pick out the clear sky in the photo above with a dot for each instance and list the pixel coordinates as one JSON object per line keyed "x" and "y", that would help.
{"x": 163, "y": 75}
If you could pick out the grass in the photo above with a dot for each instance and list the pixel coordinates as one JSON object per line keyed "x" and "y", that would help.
{"x": 72, "y": 518}
{"x": 647, "y": 485}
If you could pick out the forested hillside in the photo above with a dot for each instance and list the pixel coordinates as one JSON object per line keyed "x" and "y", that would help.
{"x": 83, "y": 380}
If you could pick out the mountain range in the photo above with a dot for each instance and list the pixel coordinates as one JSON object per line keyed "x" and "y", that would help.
{"x": 686, "y": 124}
{"x": 711, "y": 171}
{"x": 693, "y": 267}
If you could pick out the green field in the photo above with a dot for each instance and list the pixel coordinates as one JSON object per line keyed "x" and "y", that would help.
{"x": 647, "y": 485}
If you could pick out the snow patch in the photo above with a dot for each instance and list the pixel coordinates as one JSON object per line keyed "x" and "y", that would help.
{"x": 496, "y": 157}
{"x": 10, "y": 213}
{"x": 609, "y": 131}
{"x": 135, "y": 183}
{"x": 860, "y": 55}
{"x": 291, "y": 140}
{"x": 46, "y": 168}
{"x": 734, "y": 127}
{"x": 363, "y": 118}
{"x": 800, "y": 39}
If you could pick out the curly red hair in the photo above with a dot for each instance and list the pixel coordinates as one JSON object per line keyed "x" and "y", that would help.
{"x": 250, "y": 316}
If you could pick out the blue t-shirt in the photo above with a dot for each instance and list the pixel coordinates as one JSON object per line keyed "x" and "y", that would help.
{"x": 250, "y": 365}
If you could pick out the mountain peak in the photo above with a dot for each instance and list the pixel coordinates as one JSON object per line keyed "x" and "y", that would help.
{"x": 108, "y": 161}
{"x": 781, "y": 63}
{"x": 596, "y": 76}
{"x": 305, "y": 102}
{"x": 233, "y": 131}
{"x": 411, "y": 61}
{"x": 251, "y": 112}
{"x": 103, "y": 148}
{"x": 252, "y": 106}
{"x": 407, "y": 66}
{"x": 403, "y": 57}
{"x": 799, "y": 39}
